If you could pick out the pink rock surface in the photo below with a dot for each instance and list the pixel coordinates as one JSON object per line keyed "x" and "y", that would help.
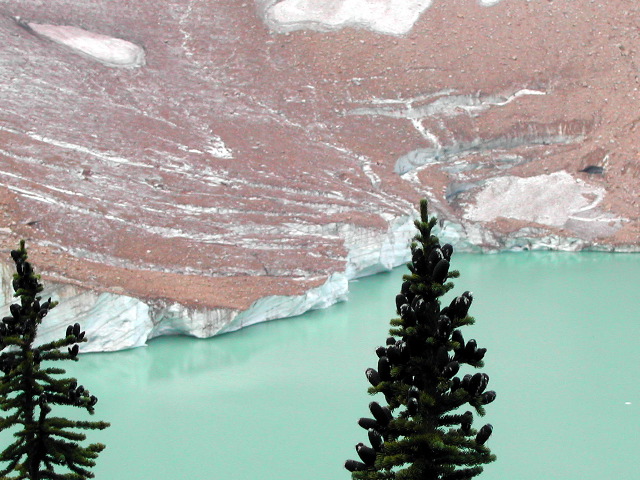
{"x": 240, "y": 162}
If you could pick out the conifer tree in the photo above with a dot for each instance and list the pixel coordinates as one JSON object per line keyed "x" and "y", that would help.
{"x": 423, "y": 433}
{"x": 45, "y": 447}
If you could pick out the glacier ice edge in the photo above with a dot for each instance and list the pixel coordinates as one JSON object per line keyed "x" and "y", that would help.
{"x": 117, "y": 322}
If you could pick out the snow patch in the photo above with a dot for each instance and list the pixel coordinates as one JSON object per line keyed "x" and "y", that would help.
{"x": 545, "y": 199}
{"x": 110, "y": 51}
{"x": 394, "y": 17}
{"x": 218, "y": 149}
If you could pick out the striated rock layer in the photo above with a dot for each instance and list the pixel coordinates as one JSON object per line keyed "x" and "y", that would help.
{"x": 197, "y": 166}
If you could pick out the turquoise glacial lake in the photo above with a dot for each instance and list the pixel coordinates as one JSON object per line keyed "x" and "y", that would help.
{"x": 280, "y": 400}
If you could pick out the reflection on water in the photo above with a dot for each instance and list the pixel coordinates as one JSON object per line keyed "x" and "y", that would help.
{"x": 279, "y": 401}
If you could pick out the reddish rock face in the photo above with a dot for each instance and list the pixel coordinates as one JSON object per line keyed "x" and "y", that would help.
{"x": 236, "y": 162}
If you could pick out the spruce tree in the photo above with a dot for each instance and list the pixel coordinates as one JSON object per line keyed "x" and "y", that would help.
{"x": 423, "y": 433}
{"x": 45, "y": 447}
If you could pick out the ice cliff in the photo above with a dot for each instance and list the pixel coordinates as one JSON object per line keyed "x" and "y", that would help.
{"x": 115, "y": 321}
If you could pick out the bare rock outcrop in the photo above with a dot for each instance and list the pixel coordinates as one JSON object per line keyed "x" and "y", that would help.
{"x": 193, "y": 167}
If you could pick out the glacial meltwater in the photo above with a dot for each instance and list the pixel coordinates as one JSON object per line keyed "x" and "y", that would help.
{"x": 280, "y": 400}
